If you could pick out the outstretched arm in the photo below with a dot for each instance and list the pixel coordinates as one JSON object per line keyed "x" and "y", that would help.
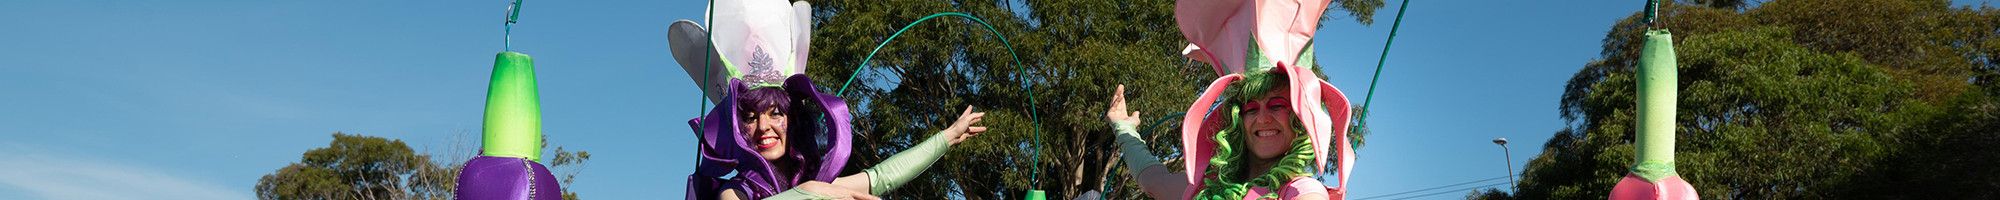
{"x": 813, "y": 190}
{"x": 1156, "y": 180}
{"x": 904, "y": 166}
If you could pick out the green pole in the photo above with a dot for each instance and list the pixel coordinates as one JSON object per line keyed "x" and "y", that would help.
{"x": 513, "y": 121}
{"x": 1370, "y": 98}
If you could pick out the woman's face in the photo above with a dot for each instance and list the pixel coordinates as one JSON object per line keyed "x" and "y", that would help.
{"x": 1268, "y": 120}
{"x": 765, "y": 131}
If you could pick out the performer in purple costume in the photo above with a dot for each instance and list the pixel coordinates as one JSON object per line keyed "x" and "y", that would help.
{"x": 777, "y": 132}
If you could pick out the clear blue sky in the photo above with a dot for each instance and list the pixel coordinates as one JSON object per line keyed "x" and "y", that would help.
{"x": 160, "y": 99}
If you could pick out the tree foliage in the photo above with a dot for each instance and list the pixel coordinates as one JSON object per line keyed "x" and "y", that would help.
{"x": 1076, "y": 52}
{"x": 353, "y": 167}
{"x": 1866, "y": 99}
{"x": 369, "y": 167}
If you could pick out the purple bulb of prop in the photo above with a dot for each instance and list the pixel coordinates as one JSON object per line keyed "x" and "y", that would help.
{"x": 487, "y": 177}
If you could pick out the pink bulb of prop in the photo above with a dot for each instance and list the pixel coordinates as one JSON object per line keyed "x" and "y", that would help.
{"x": 1632, "y": 187}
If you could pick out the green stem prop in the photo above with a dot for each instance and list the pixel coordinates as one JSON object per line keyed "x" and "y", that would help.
{"x": 1657, "y": 87}
{"x": 513, "y": 121}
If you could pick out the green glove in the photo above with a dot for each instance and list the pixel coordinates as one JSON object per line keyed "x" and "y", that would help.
{"x": 1137, "y": 157}
{"x": 902, "y": 167}
{"x": 796, "y": 193}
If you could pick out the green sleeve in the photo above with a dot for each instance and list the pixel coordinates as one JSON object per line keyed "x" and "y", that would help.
{"x": 902, "y": 167}
{"x": 796, "y": 193}
{"x": 1137, "y": 157}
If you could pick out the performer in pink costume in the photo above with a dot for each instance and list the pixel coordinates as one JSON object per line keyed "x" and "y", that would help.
{"x": 1277, "y": 122}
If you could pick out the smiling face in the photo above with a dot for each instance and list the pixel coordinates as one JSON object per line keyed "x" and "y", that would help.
{"x": 765, "y": 131}
{"x": 764, "y": 121}
{"x": 1269, "y": 122}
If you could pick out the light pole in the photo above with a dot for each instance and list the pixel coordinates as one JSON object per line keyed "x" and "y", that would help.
{"x": 1502, "y": 141}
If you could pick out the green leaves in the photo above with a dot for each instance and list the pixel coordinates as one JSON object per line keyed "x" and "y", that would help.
{"x": 350, "y": 167}
{"x": 368, "y": 167}
{"x": 1858, "y": 99}
{"x": 1363, "y": 11}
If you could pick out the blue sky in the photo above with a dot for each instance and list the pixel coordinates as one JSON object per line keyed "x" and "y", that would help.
{"x": 159, "y": 99}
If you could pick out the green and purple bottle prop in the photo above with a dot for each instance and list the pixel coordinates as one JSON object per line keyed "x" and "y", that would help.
{"x": 511, "y": 139}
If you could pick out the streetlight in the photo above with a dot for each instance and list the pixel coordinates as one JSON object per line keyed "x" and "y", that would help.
{"x": 1502, "y": 141}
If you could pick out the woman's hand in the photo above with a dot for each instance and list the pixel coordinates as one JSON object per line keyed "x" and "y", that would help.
{"x": 1117, "y": 114}
{"x": 963, "y": 128}
{"x": 836, "y": 192}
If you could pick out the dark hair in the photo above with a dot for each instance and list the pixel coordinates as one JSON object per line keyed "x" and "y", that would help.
{"x": 800, "y": 132}
{"x": 765, "y": 98}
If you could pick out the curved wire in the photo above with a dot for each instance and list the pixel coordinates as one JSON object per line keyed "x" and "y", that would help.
{"x": 1162, "y": 120}
{"x": 1033, "y": 114}
{"x": 906, "y": 28}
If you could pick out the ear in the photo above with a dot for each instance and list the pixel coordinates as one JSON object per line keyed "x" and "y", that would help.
{"x": 692, "y": 50}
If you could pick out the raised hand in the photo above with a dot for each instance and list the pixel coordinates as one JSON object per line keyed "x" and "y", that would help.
{"x": 963, "y": 128}
{"x": 1118, "y": 113}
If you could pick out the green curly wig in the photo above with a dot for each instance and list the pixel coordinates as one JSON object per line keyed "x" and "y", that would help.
{"x": 1229, "y": 166}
